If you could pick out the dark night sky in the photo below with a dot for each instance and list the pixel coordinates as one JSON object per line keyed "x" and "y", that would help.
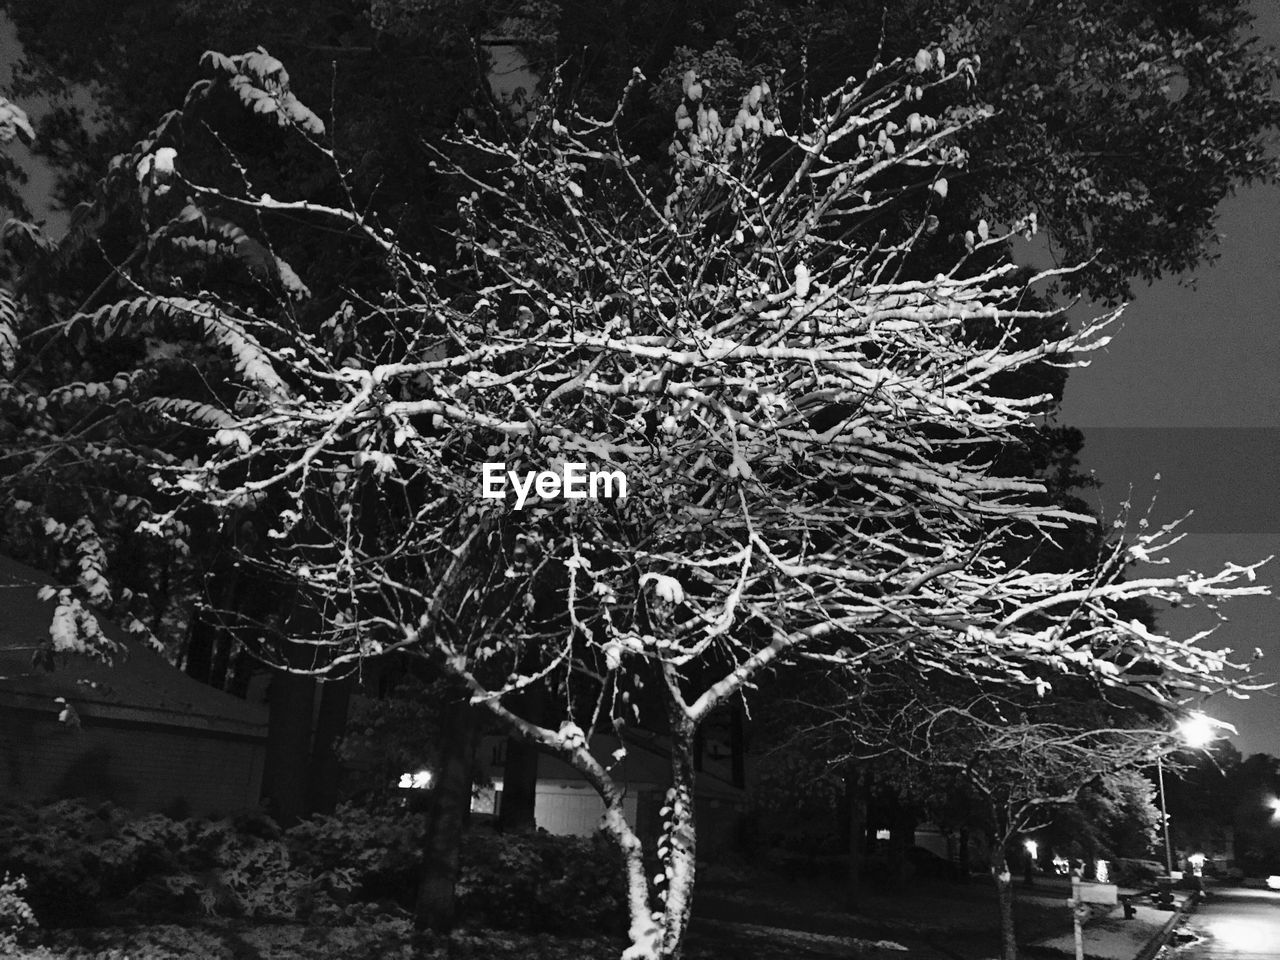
{"x": 1190, "y": 389}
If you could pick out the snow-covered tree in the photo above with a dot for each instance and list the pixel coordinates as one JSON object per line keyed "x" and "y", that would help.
{"x": 1007, "y": 761}
{"x": 804, "y": 417}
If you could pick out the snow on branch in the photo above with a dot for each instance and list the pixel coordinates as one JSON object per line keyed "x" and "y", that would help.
{"x": 808, "y": 412}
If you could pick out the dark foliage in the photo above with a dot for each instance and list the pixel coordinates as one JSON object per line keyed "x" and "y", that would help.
{"x": 86, "y": 863}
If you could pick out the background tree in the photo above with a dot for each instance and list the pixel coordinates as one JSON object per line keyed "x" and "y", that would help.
{"x": 1216, "y": 796}
{"x": 1117, "y": 816}
{"x": 1123, "y": 139}
{"x": 1121, "y": 125}
{"x": 14, "y": 125}
{"x": 1011, "y": 764}
{"x": 1255, "y": 819}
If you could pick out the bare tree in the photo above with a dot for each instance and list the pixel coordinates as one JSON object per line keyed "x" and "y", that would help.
{"x": 1016, "y": 759}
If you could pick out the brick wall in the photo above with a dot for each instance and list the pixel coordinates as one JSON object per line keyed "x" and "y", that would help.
{"x": 143, "y": 766}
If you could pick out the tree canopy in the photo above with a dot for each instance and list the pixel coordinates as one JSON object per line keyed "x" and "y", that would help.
{"x": 794, "y": 337}
{"x": 805, "y": 425}
{"x": 1123, "y": 139}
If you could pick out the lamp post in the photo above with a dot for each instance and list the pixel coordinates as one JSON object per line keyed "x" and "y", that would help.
{"x": 1197, "y": 731}
{"x": 1164, "y": 818}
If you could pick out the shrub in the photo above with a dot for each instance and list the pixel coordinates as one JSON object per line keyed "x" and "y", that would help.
{"x": 538, "y": 883}
{"x": 1135, "y": 873}
{"x": 82, "y": 858}
{"x": 16, "y": 915}
{"x": 59, "y": 849}
{"x": 78, "y": 857}
{"x": 261, "y": 881}
{"x": 541, "y": 883}
{"x": 360, "y": 853}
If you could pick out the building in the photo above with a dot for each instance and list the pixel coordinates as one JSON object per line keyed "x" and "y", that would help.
{"x": 140, "y": 733}
{"x": 567, "y": 805}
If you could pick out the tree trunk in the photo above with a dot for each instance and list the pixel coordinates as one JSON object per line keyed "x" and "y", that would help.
{"x": 644, "y": 932}
{"x": 680, "y": 837}
{"x": 902, "y": 831}
{"x": 200, "y": 649}
{"x": 222, "y": 667}
{"x": 1004, "y": 898}
{"x": 326, "y": 768}
{"x": 856, "y": 800}
{"x": 520, "y": 770}
{"x": 446, "y": 817}
{"x": 290, "y": 702}
{"x": 516, "y": 813}
{"x": 737, "y": 743}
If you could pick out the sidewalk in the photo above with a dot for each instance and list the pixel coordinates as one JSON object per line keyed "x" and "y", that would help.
{"x": 1112, "y": 937}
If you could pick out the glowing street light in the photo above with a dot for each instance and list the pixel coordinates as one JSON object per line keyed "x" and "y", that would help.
{"x": 1197, "y": 731}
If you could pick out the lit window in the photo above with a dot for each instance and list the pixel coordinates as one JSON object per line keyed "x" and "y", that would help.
{"x": 415, "y": 781}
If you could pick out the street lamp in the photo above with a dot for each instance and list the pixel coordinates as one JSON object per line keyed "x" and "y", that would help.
{"x": 1197, "y": 731}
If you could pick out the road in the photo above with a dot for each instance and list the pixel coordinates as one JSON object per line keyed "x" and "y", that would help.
{"x": 1235, "y": 923}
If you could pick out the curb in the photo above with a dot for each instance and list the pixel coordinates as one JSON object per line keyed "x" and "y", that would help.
{"x": 1160, "y": 939}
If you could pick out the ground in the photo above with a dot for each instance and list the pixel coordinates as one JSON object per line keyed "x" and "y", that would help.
{"x": 763, "y": 920}
{"x": 1112, "y": 937}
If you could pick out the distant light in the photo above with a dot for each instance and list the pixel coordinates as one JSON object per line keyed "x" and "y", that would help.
{"x": 1031, "y": 847}
{"x": 1273, "y": 882}
{"x": 1101, "y": 870}
{"x": 1196, "y": 859}
{"x": 1274, "y": 804}
{"x": 1198, "y": 730}
{"x": 1061, "y": 865}
{"x": 882, "y": 834}
{"x": 415, "y": 781}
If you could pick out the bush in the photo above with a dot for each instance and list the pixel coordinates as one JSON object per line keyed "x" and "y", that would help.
{"x": 362, "y": 854}
{"x": 541, "y": 883}
{"x": 1135, "y": 873}
{"x": 82, "y": 859}
{"x": 60, "y": 848}
{"x": 79, "y": 857}
{"x": 16, "y": 916}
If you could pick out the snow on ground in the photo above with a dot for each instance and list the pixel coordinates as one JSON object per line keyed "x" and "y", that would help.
{"x": 802, "y": 940}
